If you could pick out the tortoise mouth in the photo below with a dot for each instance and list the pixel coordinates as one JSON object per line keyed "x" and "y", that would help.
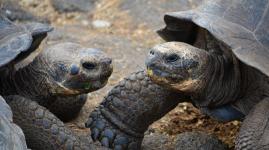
{"x": 177, "y": 82}
{"x": 164, "y": 77}
{"x": 79, "y": 85}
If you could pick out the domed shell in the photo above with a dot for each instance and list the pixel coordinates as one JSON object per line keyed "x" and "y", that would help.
{"x": 243, "y": 25}
{"x": 19, "y": 41}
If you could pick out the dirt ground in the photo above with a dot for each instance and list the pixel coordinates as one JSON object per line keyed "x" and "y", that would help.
{"x": 127, "y": 40}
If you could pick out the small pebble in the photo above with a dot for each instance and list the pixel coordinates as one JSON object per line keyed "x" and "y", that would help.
{"x": 85, "y": 22}
{"x": 101, "y": 24}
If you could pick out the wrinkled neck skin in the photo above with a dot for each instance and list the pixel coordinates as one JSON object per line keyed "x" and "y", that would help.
{"x": 228, "y": 80}
{"x": 254, "y": 88}
{"x": 220, "y": 77}
{"x": 222, "y": 82}
{"x": 29, "y": 81}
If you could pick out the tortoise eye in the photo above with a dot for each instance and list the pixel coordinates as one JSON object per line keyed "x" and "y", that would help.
{"x": 88, "y": 65}
{"x": 172, "y": 58}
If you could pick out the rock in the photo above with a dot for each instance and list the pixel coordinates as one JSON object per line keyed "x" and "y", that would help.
{"x": 73, "y": 5}
{"x": 69, "y": 33}
{"x": 11, "y": 136}
{"x": 101, "y": 24}
{"x": 156, "y": 141}
{"x": 14, "y": 11}
{"x": 198, "y": 141}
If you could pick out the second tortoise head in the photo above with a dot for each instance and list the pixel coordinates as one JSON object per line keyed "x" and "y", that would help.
{"x": 73, "y": 69}
{"x": 177, "y": 65}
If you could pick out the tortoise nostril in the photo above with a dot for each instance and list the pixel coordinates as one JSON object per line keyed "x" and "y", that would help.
{"x": 74, "y": 70}
{"x": 151, "y": 52}
{"x": 88, "y": 65}
{"x": 172, "y": 58}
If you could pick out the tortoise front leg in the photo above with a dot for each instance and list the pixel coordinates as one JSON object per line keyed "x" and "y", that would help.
{"x": 128, "y": 110}
{"x": 254, "y": 132}
{"x": 43, "y": 130}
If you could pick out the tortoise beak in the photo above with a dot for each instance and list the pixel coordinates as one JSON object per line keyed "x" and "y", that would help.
{"x": 62, "y": 89}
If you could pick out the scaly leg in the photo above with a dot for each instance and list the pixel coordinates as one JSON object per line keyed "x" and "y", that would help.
{"x": 254, "y": 132}
{"x": 44, "y": 131}
{"x": 128, "y": 110}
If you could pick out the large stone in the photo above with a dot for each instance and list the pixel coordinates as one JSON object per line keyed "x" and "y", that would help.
{"x": 198, "y": 141}
{"x": 156, "y": 141}
{"x": 14, "y": 11}
{"x": 73, "y": 5}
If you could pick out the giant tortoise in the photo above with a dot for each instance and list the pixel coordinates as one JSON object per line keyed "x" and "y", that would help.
{"x": 16, "y": 43}
{"x": 35, "y": 81}
{"x": 216, "y": 56}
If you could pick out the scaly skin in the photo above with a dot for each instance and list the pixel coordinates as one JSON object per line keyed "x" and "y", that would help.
{"x": 55, "y": 79}
{"x": 215, "y": 80}
{"x": 128, "y": 110}
{"x": 43, "y": 130}
{"x": 254, "y": 130}
{"x": 61, "y": 70}
{"x": 206, "y": 73}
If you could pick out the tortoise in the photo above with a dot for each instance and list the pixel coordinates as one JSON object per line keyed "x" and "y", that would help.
{"x": 216, "y": 57}
{"x": 35, "y": 81}
{"x": 17, "y": 42}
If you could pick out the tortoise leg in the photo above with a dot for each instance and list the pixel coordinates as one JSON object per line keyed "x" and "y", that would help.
{"x": 254, "y": 132}
{"x": 44, "y": 131}
{"x": 128, "y": 110}
{"x": 67, "y": 108}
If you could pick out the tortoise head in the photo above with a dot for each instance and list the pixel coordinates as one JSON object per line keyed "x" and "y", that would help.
{"x": 177, "y": 65}
{"x": 73, "y": 69}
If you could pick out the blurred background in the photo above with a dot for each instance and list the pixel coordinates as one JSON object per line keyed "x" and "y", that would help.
{"x": 124, "y": 29}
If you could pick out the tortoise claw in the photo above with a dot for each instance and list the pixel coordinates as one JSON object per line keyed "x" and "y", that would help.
{"x": 105, "y": 141}
{"x": 95, "y": 134}
{"x": 109, "y": 135}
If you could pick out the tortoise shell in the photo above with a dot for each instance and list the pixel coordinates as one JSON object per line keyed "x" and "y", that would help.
{"x": 243, "y": 25}
{"x": 19, "y": 41}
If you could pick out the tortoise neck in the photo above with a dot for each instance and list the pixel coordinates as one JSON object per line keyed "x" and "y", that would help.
{"x": 6, "y": 86}
{"x": 29, "y": 81}
{"x": 254, "y": 88}
{"x": 222, "y": 82}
